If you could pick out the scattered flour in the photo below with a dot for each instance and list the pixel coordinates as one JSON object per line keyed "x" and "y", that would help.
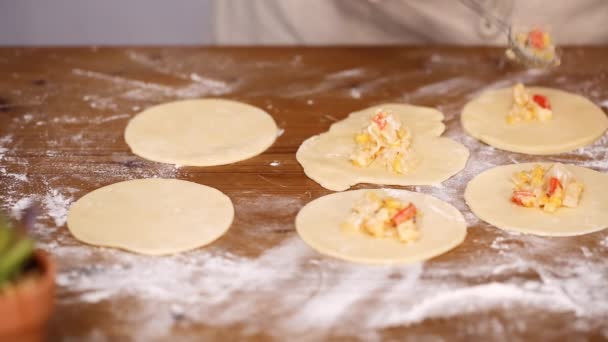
{"x": 218, "y": 86}
{"x": 27, "y": 117}
{"x": 69, "y": 119}
{"x": 139, "y": 90}
{"x": 215, "y": 87}
{"x": 54, "y": 203}
{"x": 330, "y": 117}
{"x": 218, "y": 288}
{"x": 530, "y": 76}
{"x": 103, "y": 119}
{"x": 452, "y": 85}
{"x": 586, "y": 252}
{"x": 282, "y": 287}
{"x": 20, "y": 206}
{"x": 57, "y": 206}
{"x": 4, "y": 141}
{"x": 348, "y": 73}
{"x": 19, "y": 176}
{"x": 98, "y": 102}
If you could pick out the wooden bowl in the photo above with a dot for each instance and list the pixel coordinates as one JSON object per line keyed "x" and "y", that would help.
{"x": 26, "y": 308}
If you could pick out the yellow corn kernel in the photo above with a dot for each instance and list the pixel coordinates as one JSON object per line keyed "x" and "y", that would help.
{"x": 392, "y": 203}
{"x": 523, "y": 176}
{"x": 557, "y": 196}
{"x": 546, "y": 39}
{"x": 538, "y": 175}
{"x": 529, "y": 114}
{"x": 362, "y": 138}
{"x": 356, "y": 162}
{"x": 554, "y": 202}
{"x": 397, "y": 164}
{"x": 402, "y": 133}
{"x": 521, "y": 37}
{"x": 511, "y": 119}
{"x": 528, "y": 202}
{"x": 395, "y": 144}
{"x": 361, "y": 160}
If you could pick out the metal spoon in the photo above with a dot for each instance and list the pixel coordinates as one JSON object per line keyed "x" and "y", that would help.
{"x": 518, "y": 53}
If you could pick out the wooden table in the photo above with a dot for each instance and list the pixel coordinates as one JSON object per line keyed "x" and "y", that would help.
{"x": 62, "y": 115}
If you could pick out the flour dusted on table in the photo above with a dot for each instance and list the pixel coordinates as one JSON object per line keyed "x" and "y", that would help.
{"x": 498, "y": 285}
{"x": 215, "y": 287}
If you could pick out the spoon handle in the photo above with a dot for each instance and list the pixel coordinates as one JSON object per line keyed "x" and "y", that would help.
{"x": 485, "y": 13}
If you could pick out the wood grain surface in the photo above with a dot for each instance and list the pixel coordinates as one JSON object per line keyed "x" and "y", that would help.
{"x": 62, "y": 116}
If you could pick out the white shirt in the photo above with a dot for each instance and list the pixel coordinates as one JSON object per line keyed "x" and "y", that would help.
{"x": 324, "y": 22}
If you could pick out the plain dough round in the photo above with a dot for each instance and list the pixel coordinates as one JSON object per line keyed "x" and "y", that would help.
{"x": 325, "y": 157}
{"x": 202, "y": 132}
{"x": 442, "y": 228}
{"x": 151, "y": 216}
{"x": 576, "y": 122}
{"x": 488, "y": 195}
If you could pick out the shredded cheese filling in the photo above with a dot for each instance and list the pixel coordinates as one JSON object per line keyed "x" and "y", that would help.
{"x": 385, "y": 139}
{"x": 384, "y": 218}
{"x": 546, "y": 189}
{"x": 528, "y": 107}
{"x": 536, "y": 43}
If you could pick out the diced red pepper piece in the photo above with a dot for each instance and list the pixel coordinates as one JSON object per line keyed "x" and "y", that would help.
{"x": 380, "y": 120}
{"x": 554, "y": 183}
{"x": 536, "y": 38}
{"x": 542, "y": 101}
{"x": 404, "y": 214}
{"x": 518, "y": 197}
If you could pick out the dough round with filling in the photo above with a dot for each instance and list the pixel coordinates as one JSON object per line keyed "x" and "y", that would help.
{"x": 325, "y": 157}
{"x": 151, "y": 216}
{"x": 576, "y": 122}
{"x": 489, "y": 197}
{"x": 201, "y": 132}
{"x": 319, "y": 224}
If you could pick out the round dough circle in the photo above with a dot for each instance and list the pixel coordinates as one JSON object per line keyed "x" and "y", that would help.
{"x": 151, "y": 216}
{"x": 325, "y": 157}
{"x": 576, "y": 122}
{"x": 488, "y": 195}
{"x": 202, "y": 132}
{"x": 319, "y": 223}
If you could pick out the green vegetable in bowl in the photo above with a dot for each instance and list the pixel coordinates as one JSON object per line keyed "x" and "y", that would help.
{"x": 16, "y": 247}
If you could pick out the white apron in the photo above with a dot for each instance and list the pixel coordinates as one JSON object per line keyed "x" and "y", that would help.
{"x": 323, "y": 22}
